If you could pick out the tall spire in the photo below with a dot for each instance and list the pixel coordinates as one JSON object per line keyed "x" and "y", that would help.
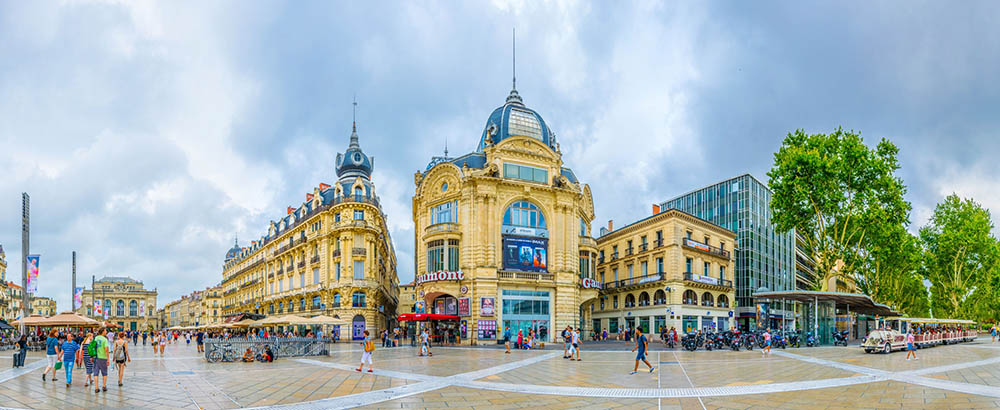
{"x": 354, "y": 124}
{"x": 446, "y": 147}
{"x": 514, "y": 97}
{"x": 236, "y": 240}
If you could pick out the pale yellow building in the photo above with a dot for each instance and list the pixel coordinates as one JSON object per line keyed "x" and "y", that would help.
{"x": 407, "y": 298}
{"x": 41, "y": 305}
{"x": 5, "y": 291}
{"x": 670, "y": 269}
{"x": 14, "y": 294}
{"x": 331, "y": 255}
{"x": 124, "y": 301}
{"x": 503, "y": 233}
{"x": 211, "y": 306}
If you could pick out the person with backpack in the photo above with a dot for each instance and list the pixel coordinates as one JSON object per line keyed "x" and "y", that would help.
{"x": 89, "y": 352}
{"x": 101, "y": 360}
{"x": 22, "y": 351}
{"x": 369, "y": 348}
{"x": 121, "y": 356}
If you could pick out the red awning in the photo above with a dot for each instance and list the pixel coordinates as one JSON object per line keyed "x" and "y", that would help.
{"x": 423, "y": 317}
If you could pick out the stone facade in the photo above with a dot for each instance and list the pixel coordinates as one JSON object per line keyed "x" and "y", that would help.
{"x": 668, "y": 270}
{"x": 41, "y": 305}
{"x": 126, "y": 297}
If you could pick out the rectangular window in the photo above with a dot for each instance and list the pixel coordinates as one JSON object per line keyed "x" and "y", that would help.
{"x": 291, "y": 283}
{"x": 446, "y": 212}
{"x": 359, "y": 214}
{"x": 616, "y": 274}
{"x": 645, "y": 269}
{"x": 272, "y": 288}
{"x": 722, "y": 272}
{"x": 526, "y": 173}
{"x": 281, "y": 285}
{"x": 336, "y": 271}
{"x": 359, "y": 269}
{"x": 453, "y": 258}
{"x": 630, "y": 271}
{"x": 687, "y": 265}
{"x": 708, "y": 268}
{"x": 315, "y": 275}
{"x": 659, "y": 265}
{"x": 583, "y": 227}
{"x": 302, "y": 280}
{"x": 336, "y": 217}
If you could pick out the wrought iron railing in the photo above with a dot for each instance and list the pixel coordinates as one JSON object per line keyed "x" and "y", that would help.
{"x": 232, "y": 348}
{"x": 621, "y": 283}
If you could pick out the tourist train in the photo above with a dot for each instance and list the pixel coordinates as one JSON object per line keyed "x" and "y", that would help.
{"x": 927, "y": 332}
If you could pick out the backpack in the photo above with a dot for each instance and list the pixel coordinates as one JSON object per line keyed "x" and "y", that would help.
{"x": 92, "y": 348}
{"x": 369, "y": 346}
{"x": 120, "y": 353}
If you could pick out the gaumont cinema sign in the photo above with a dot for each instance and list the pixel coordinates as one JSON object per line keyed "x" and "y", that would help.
{"x": 589, "y": 283}
{"x": 440, "y": 276}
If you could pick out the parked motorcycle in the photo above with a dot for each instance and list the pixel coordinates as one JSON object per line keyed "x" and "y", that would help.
{"x": 690, "y": 341}
{"x": 840, "y": 337}
{"x": 778, "y": 340}
{"x": 793, "y": 340}
{"x": 749, "y": 340}
{"x": 810, "y": 340}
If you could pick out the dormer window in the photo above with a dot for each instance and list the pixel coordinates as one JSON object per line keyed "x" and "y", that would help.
{"x": 524, "y": 123}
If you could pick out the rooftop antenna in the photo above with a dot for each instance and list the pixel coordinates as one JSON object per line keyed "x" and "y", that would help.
{"x": 514, "y": 98}
{"x": 354, "y": 124}
{"x": 446, "y": 147}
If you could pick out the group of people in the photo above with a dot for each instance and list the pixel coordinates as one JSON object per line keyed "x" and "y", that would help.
{"x": 90, "y": 350}
{"x": 522, "y": 342}
{"x": 571, "y": 343}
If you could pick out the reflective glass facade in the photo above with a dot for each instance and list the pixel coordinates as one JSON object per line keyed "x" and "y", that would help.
{"x": 763, "y": 257}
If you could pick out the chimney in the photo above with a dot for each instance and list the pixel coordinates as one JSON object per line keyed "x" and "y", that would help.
{"x": 656, "y": 209}
{"x": 611, "y": 225}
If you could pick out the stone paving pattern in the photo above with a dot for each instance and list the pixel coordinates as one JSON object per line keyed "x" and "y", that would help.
{"x": 486, "y": 378}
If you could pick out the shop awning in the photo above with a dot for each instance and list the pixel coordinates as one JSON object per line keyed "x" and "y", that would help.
{"x": 423, "y": 317}
{"x": 856, "y": 302}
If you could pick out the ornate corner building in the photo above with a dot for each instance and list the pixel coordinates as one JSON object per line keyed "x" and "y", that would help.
{"x": 332, "y": 255}
{"x": 670, "y": 269}
{"x": 503, "y": 233}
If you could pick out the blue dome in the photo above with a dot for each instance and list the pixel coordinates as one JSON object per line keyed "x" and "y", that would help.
{"x": 234, "y": 252}
{"x": 514, "y": 119}
{"x": 354, "y": 162}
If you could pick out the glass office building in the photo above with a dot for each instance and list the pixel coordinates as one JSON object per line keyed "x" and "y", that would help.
{"x": 764, "y": 258}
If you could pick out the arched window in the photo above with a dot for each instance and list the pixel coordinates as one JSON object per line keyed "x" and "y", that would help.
{"x": 107, "y": 306}
{"x": 723, "y": 301}
{"x": 302, "y": 303}
{"x": 690, "y": 298}
{"x": 358, "y": 192}
{"x": 120, "y": 308}
{"x": 133, "y": 308}
{"x": 643, "y": 299}
{"x": 706, "y": 299}
{"x": 660, "y": 297}
{"x": 358, "y": 300}
{"x": 336, "y": 300}
{"x": 629, "y": 300}
{"x": 524, "y": 214}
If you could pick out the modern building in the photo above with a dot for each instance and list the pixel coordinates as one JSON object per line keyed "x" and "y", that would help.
{"x": 670, "y": 269}
{"x": 123, "y": 300}
{"x": 765, "y": 259}
{"x": 332, "y": 255}
{"x": 407, "y": 298}
{"x": 805, "y": 266}
{"x": 503, "y": 233}
{"x": 41, "y": 305}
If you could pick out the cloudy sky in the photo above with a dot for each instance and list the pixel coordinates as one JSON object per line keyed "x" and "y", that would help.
{"x": 149, "y": 134}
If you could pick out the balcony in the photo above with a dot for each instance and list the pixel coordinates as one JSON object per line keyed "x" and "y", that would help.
{"x": 358, "y": 251}
{"x": 705, "y": 248}
{"x": 643, "y": 247}
{"x": 639, "y": 280}
{"x": 614, "y": 256}
{"x": 354, "y": 198}
{"x": 658, "y": 243}
{"x": 588, "y": 241}
{"x": 314, "y": 260}
{"x": 628, "y": 251}
{"x": 510, "y": 275}
{"x": 302, "y": 264}
{"x": 441, "y": 228}
{"x": 336, "y": 253}
{"x": 692, "y": 277}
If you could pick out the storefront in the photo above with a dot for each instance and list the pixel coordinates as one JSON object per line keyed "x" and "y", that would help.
{"x": 527, "y": 310}
{"x": 824, "y": 312}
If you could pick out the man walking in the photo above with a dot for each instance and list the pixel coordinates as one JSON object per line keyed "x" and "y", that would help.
{"x": 506, "y": 339}
{"x": 567, "y": 353}
{"x": 200, "y": 339}
{"x": 640, "y": 344}
{"x": 101, "y": 362}
{"x": 575, "y": 339}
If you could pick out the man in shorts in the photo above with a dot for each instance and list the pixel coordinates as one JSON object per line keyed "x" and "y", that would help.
{"x": 506, "y": 339}
{"x": 101, "y": 361}
{"x": 575, "y": 339}
{"x": 425, "y": 340}
{"x": 640, "y": 345}
{"x": 200, "y": 339}
{"x": 567, "y": 352}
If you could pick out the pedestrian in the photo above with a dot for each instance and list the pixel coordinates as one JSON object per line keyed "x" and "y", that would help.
{"x": 640, "y": 345}
{"x": 163, "y": 343}
{"x": 70, "y": 349}
{"x": 143, "y": 338}
{"x": 604, "y": 334}
{"x": 994, "y": 331}
{"x": 767, "y": 343}
{"x": 121, "y": 356}
{"x": 135, "y": 338}
{"x": 88, "y": 359}
{"x": 22, "y": 350}
{"x": 51, "y": 354}
{"x": 101, "y": 361}
{"x": 911, "y": 349}
{"x": 425, "y": 340}
{"x": 369, "y": 347}
{"x": 200, "y": 341}
{"x": 506, "y": 339}
{"x": 575, "y": 338}
{"x": 520, "y": 339}
{"x": 567, "y": 353}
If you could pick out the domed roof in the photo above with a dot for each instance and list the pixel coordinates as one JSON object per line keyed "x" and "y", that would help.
{"x": 515, "y": 119}
{"x": 354, "y": 162}
{"x": 234, "y": 252}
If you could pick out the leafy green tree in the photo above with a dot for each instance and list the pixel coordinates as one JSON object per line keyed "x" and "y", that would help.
{"x": 837, "y": 193}
{"x": 960, "y": 259}
{"x": 889, "y": 271}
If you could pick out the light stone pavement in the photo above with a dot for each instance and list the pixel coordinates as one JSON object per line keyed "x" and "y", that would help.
{"x": 959, "y": 376}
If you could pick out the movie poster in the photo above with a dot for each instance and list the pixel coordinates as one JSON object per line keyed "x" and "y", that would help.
{"x": 77, "y": 298}
{"x": 32, "y": 274}
{"x": 486, "y": 307}
{"x": 463, "y": 307}
{"x": 98, "y": 311}
{"x": 142, "y": 308}
{"x": 451, "y": 306}
{"x": 525, "y": 254}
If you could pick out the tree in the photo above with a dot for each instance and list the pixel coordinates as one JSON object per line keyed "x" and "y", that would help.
{"x": 835, "y": 191}
{"x": 960, "y": 258}
{"x": 890, "y": 272}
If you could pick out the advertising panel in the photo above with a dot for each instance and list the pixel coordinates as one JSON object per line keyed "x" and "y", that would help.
{"x": 487, "y": 329}
{"x": 486, "y": 307}
{"x": 463, "y": 307}
{"x": 77, "y": 298}
{"x": 32, "y": 274}
{"x": 142, "y": 308}
{"x": 98, "y": 311}
{"x": 705, "y": 279}
{"x": 525, "y": 254}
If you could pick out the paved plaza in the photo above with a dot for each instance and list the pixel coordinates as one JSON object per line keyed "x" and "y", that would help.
{"x": 960, "y": 377}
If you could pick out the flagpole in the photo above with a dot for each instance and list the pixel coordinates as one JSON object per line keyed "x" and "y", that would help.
{"x": 72, "y": 297}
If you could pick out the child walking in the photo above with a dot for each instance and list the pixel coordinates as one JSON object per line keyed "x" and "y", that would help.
{"x": 369, "y": 347}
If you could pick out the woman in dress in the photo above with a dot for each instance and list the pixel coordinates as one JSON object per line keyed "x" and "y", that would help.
{"x": 87, "y": 361}
{"x": 120, "y": 354}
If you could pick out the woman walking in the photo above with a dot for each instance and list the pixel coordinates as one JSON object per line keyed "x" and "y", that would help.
{"x": 51, "y": 354}
{"x": 163, "y": 343}
{"x": 121, "y": 356}
{"x": 88, "y": 362}
{"x": 911, "y": 349}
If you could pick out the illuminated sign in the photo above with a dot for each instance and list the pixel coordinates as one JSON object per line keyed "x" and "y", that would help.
{"x": 588, "y": 283}
{"x": 440, "y": 276}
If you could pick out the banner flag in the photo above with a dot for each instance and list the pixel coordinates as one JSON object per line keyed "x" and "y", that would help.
{"x": 32, "y": 274}
{"x": 142, "y": 308}
{"x": 77, "y": 298}
{"x": 98, "y": 311}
